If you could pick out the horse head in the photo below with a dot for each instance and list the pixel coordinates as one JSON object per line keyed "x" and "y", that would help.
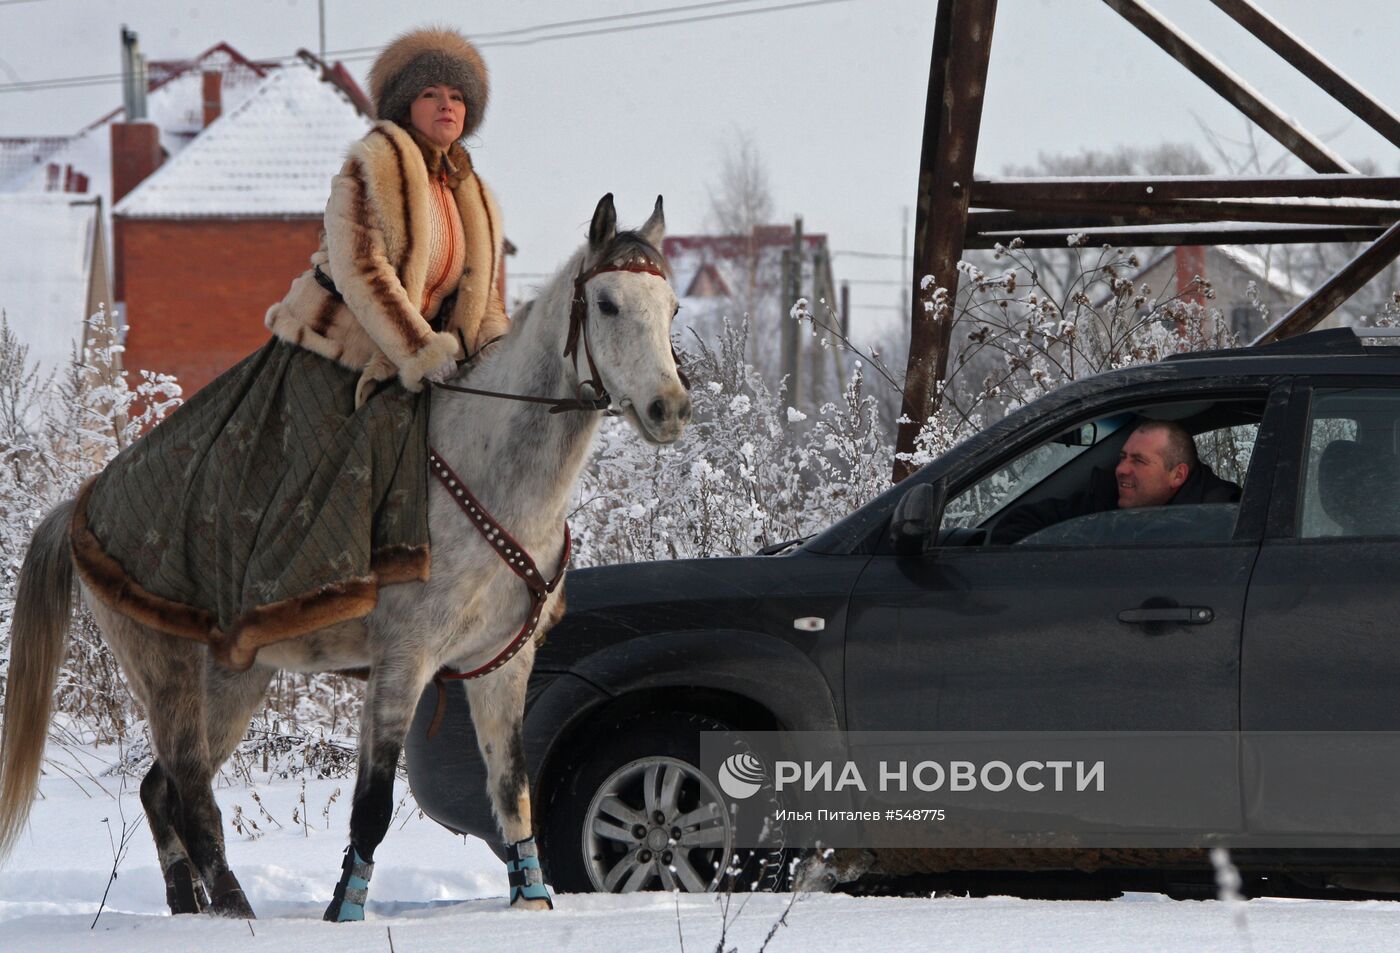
{"x": 623, "y": 306}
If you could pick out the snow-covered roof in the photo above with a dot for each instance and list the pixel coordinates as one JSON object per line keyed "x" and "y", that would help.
{"x": 176, "y": 106}
{"x": 20, "y": 156}
{"x": 46, "y": 256}
{"x": 273, "y": 155}
{"x": 1256, "y": 265}
{"x": 725, "y": 257}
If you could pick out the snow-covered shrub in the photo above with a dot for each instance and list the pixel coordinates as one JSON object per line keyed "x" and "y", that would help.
{"x": 55, "y": 432}
{"x": 1015, "y": 339}
{"x": 750, "y": 470}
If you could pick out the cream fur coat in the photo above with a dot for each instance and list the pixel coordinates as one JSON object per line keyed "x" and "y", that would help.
{"x": 375, "y": 249}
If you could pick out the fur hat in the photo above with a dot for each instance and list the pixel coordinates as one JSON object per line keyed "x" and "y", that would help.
{"x": 428, "y": 57}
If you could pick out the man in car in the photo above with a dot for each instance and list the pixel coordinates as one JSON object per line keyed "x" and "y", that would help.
{"x": 1157, "y": 466}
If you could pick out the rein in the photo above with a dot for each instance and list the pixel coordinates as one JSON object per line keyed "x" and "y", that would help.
{"x": 495, "y": 535}
{"x": 578, "y": 329}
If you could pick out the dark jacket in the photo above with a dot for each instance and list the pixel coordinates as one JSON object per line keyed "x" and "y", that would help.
{"x": 1201, "y": 486}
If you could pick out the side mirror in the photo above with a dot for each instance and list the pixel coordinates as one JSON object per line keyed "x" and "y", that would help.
{"x": 914, "y": 526}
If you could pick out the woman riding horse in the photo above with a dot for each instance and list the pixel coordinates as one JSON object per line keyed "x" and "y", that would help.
{"x": 302, "y": 471}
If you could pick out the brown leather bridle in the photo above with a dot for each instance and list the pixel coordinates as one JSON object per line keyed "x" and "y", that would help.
{"x": 497, "y": 538}
{"x": 578, "y": 331}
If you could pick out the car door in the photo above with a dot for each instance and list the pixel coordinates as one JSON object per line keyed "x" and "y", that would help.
{"x": 1320, "y": 689}
{"x": 1104, "y": 637}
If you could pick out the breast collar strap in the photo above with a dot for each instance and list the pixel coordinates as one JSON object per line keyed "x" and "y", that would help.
{"x": 510, "y": 552}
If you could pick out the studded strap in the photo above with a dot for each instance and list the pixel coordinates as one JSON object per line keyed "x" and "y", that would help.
{"x": 511, "y": 552}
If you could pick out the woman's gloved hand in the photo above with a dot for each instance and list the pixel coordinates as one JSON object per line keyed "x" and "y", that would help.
{"x": 435, "y": 361}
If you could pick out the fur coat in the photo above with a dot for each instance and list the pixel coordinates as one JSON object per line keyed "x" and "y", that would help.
{"x": 375, "y": 250}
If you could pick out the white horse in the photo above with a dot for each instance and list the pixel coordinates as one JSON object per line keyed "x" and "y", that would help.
{"x": 601, "y": 329}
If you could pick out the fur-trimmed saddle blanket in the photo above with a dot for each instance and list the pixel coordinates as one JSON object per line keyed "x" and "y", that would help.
{"x": 264, "y": 508}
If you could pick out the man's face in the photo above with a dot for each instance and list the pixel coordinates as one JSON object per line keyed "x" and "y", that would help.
{"x": 1142, "y": 474}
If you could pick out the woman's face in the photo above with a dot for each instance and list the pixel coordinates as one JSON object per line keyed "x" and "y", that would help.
{"x": 439, "y": 113}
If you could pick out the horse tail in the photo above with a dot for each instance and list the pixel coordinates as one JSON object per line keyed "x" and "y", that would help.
{"x": 38, "y": 638}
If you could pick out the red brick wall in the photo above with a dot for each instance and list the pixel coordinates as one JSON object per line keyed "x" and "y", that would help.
{"x": 196, "y": 290}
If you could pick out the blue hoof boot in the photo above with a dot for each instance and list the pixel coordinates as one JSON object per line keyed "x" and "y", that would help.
{"x": 526, "y": 878}
{"x": 352, "y": 891}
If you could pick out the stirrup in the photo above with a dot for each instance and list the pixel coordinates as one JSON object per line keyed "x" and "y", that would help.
{"x": 348, "y": 902}
{"x": 526, "y": 878}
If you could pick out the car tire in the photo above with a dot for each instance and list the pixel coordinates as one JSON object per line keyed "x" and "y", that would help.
{"x": 602, "y": 832}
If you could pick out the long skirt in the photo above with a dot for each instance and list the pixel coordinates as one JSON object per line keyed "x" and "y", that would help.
{"x": 265, "y": 507}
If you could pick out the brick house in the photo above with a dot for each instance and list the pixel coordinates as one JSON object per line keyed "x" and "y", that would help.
{"x": 737, "y": 277}
{"x": 209, "y": 240}
{"x": 1230, "y": 269}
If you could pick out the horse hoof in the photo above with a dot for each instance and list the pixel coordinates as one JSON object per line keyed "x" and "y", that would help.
{"x": 184, "y": 892}
{"x": 229, "y": 899}
{"x": 538, "y": 904}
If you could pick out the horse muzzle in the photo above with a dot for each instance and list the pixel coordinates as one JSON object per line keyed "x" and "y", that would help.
{"x": 662, "y": 419}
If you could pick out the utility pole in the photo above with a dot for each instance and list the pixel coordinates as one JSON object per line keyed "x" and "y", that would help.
{"x": 792, "y": 331}
{"x": 904, "y": 267}
{"x": 321, "y": 14}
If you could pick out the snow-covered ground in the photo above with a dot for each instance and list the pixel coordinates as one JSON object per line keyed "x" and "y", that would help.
{"x": 434, "y": 892}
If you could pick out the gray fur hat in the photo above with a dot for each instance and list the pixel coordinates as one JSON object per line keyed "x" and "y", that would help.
{"x": 427, "y": 57}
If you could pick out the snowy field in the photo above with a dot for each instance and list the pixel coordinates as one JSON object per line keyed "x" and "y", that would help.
{"x": 434, "y": 892}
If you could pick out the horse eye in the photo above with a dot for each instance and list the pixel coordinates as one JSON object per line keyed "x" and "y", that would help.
{"x": 606, "y": 306}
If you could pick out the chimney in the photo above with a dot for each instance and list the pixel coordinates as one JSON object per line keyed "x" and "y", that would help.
{"x": 1190, "y": 263}
{"x": 213, "y": 96}
{"x": 136, "y": 151}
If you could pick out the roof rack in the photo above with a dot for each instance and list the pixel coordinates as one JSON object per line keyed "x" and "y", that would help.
{"x": 1329, "y": 341}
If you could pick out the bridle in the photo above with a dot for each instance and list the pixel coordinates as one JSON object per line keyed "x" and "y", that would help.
{"x": 578, "y": 331}
{"x": 497, "y": 538}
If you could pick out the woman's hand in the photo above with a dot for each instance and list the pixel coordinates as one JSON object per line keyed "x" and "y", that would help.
{"x": 435, "y": 361}
{"x": 439, "y": 374}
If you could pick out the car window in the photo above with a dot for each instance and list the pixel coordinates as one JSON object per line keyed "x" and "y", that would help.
{"x": 1048, "y": 495}
{"x": 1227, "y": 451}
{"x": 989, "y": 494}
{"x": 1352, "y": 476}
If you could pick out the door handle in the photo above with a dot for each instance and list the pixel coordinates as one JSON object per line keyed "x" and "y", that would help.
{"x": 1184, "y": 615}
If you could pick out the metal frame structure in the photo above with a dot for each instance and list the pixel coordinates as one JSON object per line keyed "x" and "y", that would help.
{"x": 957, "y": 211}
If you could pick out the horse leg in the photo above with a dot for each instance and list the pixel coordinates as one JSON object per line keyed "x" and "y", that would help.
{"x": 231, "y": 700}
{"x": 167, "y": 676}
{"x": 390, "y": 700}
{"x": 184, "y": 891}
{"x": 498, "y": 708}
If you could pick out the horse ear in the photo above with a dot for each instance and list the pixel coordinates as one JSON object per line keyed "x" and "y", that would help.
{"x": 655, "y": 228}
{"x": 604, "y": 225}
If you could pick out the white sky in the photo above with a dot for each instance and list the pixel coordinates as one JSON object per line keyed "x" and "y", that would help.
{"x": 832, "y": 95}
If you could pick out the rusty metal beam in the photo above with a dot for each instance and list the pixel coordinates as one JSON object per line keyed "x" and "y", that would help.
{"x": 1348, "y": 281}
{"x": 1228, "y": 84}
{"x": 1090, "y": 214}
{"x": 1152, "y": 237}
{"x": 1277, "y": 38}
{"x": 1026, "y": 193}
{"x": 952, "y": 121}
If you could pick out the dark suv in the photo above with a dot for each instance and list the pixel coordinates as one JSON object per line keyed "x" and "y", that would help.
{"x": 1277, "y": 612}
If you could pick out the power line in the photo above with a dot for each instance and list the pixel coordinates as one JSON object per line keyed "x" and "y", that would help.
{"x": 363, "y": 53}
{"x": 870, "y": 254}
{"x": 586, "y": 21}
